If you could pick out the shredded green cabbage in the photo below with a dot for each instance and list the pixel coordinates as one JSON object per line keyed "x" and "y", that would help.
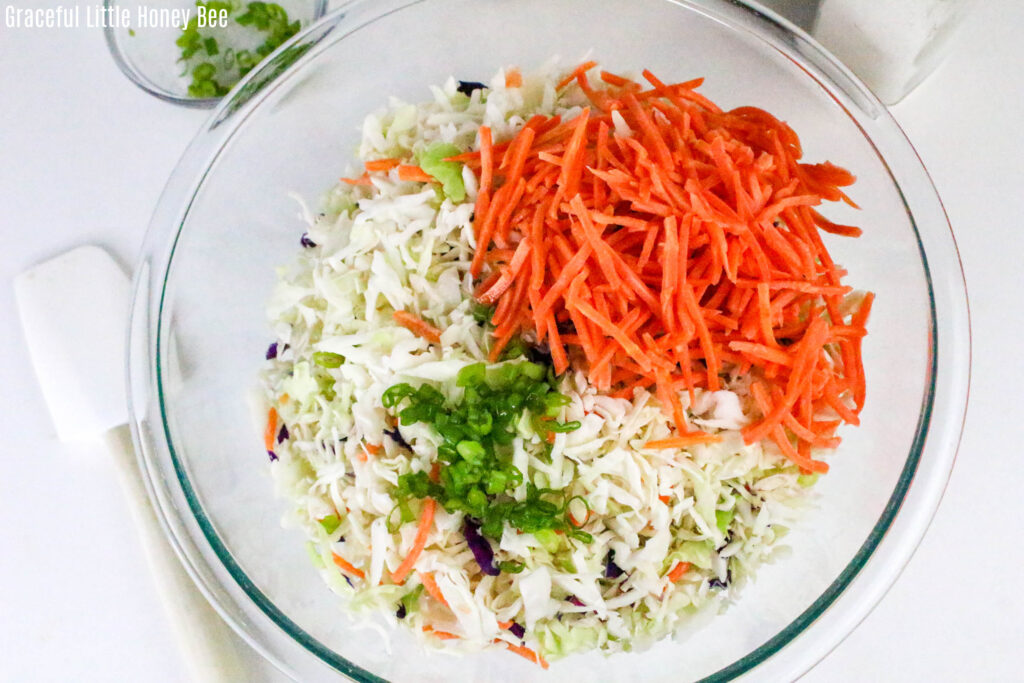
{"x": 353, "y": 468}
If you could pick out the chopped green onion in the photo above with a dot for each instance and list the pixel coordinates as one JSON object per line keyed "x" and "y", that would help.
{"x": 534, "y": 371}
{"x": 326, "y": 385}
{"x": 516, "y": 349}
{"x": 723, "y": 518}
{"x": 497, "y": 481}
{"x": 269, "y": 20}
{"x": 405, "y": 515}
{"x": 449, "y": 173}
{"x": 562, "y": 427}
{"x": 481, "y": 313}
{"x": 580, "y": 535}
{"x": 330, "y": 523}
{"x": 471, "y": 450}
{"x": 204, "y": 71}
{"x": 579, "y": 515}
{"x": 326, "y": 359}
{"x": 471, "y": 375}
{"x": 554, "y": 403}
{"x": 393, "y": 395}
{"x": 565, "y": 563}
{"x": 810, "y": 479}
{"x": 551, "y": 541}
{"x": 476, "y": 498}
{"x": 477, "y": 431}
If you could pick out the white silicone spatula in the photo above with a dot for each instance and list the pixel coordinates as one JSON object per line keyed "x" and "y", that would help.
{"x": 74, "y": 311}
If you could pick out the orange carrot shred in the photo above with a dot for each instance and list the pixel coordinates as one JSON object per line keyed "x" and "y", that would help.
{"x": 422, "y": 532}
{"x": 417, "y": 326}
{"x": 382, "y": 164}
{"x": 344, "y": 566}
{"x": 270, "y": 433}
{"x": 414, "y": 174}
{"x": 525, "y": 652}
{"x": 683, "y": 440}
{"x": 440, "y": 635}
{"x": 667, "y": 257}
{"x": 582, "y": 68}
{"x": 430, "y": 585}
{"x": 678, "y": 571}
{"x": 513, "y": 78}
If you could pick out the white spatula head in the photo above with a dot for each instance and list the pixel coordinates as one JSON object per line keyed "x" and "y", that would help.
{"x": 74, "y": 311}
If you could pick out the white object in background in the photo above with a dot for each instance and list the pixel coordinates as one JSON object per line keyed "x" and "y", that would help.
{"x": 74, "y": 311}
{"x": 800, "y": 12}
{"x": 891, "y": 44}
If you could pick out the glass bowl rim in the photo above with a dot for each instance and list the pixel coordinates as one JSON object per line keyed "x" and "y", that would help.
{"x": 147, "y": 331}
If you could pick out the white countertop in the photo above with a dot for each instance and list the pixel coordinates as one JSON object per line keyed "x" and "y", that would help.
{"x": 83, "y": 158}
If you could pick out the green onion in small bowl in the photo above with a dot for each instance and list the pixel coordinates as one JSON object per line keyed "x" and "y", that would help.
{"x": 191, "y": 52}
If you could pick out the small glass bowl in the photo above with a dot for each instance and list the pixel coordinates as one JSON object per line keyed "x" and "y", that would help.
{"x": 144, "y": 47}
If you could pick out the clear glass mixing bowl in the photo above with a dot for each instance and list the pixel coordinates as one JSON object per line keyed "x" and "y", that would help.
{"x": 225, "y": 221}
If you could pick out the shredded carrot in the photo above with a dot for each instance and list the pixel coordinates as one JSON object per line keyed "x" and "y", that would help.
{"x": 440, "y": 635}
{"x": 414, "y": 174}
{"x": 577, "y": 523}
{"x": 505, "y": 625}
{"x": 382, "y": 164}
{"x": 430, "y": 585}
{"x": 675, "y": 254}
{"x": 422, "y": 531}
{"x": 270, "y": 433}
{"x": 372, "y": 448}
{"x": 678, "y": 571}
{"x": 581, "y": 69}
{"x": 417, "y": 326}
{"x": 525, "y": 652}
{"x": 683, "y": 440}
{"x": 344, "y": 566}
{"x": 513, "y": 78}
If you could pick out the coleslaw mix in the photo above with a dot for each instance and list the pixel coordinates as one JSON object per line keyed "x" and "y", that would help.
{"x": 642, "y": 538}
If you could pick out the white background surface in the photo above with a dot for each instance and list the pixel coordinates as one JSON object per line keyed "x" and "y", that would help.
{"x": 83, "y": 157}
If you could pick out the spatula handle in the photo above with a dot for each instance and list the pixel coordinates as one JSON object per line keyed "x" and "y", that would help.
{"x": 210, "y": 650}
